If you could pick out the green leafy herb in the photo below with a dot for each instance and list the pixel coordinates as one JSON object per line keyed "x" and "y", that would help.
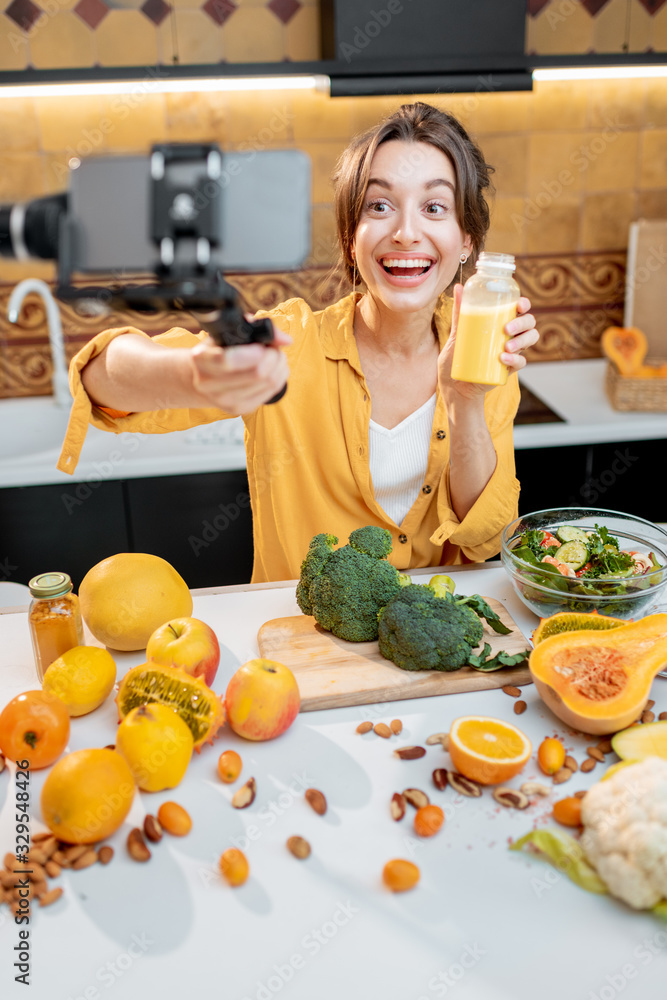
{"x": 483, "y": 661}
{"x": 484, "y": 610}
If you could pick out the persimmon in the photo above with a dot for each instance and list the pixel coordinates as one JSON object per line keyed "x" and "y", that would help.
{"x": 34, "y": 727}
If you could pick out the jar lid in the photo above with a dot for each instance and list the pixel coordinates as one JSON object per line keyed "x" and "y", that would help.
{"x": 50, "y": 585}
{"x": 496, "y": 260}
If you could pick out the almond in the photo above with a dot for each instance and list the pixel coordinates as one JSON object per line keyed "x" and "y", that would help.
{"x": 52, "y": 869}
{"x": 396, "y": 726}
{"x": 648, "y": 716}
{"x": 299, "y": 847}
{"x": 512, "y": 798}
{"x": 364, "y": 727}
{"x": 416, "y": 797}
{"x": 605, "y": 746}
{"x": 466, "y": 786}
{"x": 513, "y": 692}
{"x": 245, "y": 795}
{"x": 316, "y": 801}
{"x": 397, "y": 806}
{"x": 409, "y": 753}
{"x": 152, "y": 829}
{"x": 50, "y": 897}
{"x": 663, "y": 716}
{"x": 440, "y": 779}
{"x": 563, "y": 775}
{"x": 595, "y": 754}
{"x": 105, "y": 854}
{"x": 382, "y": 729}
{"x": 587, "y": 765}
{"x": 38, "y": 838}
{"x": 136, "y": 845}
{"x": 571, "y": 763}
{"x": 37, "y": 857}
{"x": 75, "y": 851}
{"x": 650, "y": 703}
{"x": 36, "y": 872}
{"x": 85, "y": 860}
{"x": 580, "y": 794}
{"x": 520, "y": 707}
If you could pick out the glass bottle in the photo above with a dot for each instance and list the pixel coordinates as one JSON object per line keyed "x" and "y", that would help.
{"x": 489, "y": 301}
{"x": 54, "y": 618}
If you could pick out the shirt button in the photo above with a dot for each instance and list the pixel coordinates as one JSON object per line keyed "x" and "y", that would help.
{"x": 402, "y": 539}
{"x": 440, "y": 435}
{"x": 426, "y": 489}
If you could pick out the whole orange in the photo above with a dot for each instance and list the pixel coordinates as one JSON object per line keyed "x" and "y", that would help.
{"x": 34, "y": 729}
{"x": 87, "y": 795}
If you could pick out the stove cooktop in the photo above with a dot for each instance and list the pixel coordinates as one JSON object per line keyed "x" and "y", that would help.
{"x": 533, "y": 410}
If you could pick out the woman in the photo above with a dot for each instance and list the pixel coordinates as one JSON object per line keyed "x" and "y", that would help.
{"x": 372, "y": 429}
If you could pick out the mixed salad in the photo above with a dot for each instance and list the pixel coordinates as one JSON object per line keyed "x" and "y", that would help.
{"x": 594, "y": 558}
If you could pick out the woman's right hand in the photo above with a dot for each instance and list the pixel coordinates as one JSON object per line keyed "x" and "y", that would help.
{"x": 240, "y": 379}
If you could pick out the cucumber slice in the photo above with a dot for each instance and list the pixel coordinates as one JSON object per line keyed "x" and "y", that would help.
{"x": 575, "y": 554}
{"x": 570, "y": 534}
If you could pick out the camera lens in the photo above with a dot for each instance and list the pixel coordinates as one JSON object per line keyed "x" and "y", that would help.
{"x": 30, "y": 229}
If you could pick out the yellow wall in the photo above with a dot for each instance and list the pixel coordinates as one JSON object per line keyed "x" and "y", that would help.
{"x": 575, "y": 162}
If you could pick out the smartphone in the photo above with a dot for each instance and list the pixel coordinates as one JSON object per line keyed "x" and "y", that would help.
{"x": 261, "y": 206}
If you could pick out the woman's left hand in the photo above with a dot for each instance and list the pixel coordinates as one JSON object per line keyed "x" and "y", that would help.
{"x": 523, "y": 334}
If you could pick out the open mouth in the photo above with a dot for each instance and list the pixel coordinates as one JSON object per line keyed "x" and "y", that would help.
{"x": 401, "y": 268}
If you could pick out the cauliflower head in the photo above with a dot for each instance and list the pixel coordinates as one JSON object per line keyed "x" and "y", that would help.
{"x": 625, "y": 832}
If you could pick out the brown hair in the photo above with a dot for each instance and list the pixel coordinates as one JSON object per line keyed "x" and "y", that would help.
{"x": 417, "y": 122}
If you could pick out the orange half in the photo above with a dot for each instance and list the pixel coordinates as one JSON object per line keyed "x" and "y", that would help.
{"x": 487, "y": 750}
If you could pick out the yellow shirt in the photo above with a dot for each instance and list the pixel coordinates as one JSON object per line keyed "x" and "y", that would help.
{"x": 307, "y": 455}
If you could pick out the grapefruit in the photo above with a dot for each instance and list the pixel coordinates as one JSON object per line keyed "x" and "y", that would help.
{"x": 87, "y": 795}
{"x": 126, "y": 597}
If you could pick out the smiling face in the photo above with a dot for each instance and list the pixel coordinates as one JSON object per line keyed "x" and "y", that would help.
{"x": 408, "y": 241}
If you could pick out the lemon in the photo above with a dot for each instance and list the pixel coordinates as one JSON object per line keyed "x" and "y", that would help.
{"x": 82, "y": 678}
{"x": 127, "y": 596}
{"x": 157, "y": 744}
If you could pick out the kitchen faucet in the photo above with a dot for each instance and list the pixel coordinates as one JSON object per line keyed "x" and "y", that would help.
{"x": 62, "y": 395}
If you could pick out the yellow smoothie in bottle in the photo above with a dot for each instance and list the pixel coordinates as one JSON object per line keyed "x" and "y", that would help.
{"x": 480, "y": 339}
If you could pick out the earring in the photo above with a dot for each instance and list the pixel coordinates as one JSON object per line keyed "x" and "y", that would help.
{"x": 463, "y": 258}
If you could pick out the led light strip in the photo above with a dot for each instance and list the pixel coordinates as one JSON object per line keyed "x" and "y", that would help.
{"x": 153, "y": 84}
{"x": 600, "y": 73}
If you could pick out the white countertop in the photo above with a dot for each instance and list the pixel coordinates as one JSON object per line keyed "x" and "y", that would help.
{"x": 492, "y": 924}
{"x": 32, "y": 430}
{"x": 576, "y": 391}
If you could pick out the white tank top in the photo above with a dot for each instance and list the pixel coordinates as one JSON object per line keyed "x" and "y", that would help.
{"x": 398, "y": 460}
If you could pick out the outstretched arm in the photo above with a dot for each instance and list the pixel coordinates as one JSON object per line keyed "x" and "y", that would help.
{"x": 135, "y": 374}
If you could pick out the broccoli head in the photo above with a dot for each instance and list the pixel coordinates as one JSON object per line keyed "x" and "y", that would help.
{"x": 345, "y": 588}
{"x": 418, "y": 630}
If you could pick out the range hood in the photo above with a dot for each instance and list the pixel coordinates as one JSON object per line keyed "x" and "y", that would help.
{"x": 424, "y": 46}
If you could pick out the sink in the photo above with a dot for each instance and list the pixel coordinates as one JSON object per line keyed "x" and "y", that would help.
{"x": 31, "y": 425}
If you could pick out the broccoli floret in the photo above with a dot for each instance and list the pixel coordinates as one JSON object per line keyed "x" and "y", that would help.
{"x": 319, "y": 550}
{"x": 420, "y": 631}
{"x": 344, "y": 589}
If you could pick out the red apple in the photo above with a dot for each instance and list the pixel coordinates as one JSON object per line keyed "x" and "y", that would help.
{"x": 187, "y": 643}
{"x": 262, "y": 700}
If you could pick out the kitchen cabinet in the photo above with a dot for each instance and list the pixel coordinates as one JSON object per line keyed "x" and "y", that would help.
{"x": 613, "y": 476}
{"x": 201, "y": 524}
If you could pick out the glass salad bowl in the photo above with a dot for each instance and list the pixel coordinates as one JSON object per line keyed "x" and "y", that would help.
{"x": 596, "y": 560}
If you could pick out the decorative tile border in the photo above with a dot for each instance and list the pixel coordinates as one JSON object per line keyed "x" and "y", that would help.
{"x": 574, "y": 297}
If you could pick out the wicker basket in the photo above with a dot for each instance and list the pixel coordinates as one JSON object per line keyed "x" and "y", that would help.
{"x": 627, "y": 393}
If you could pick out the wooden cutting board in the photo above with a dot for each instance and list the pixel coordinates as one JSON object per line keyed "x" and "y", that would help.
{"x": 332, "y": 673}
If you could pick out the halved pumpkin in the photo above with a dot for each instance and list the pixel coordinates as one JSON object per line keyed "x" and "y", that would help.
{"x": 599, "y": 682}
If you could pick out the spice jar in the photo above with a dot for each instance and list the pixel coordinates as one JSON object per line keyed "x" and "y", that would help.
{"x": 489, "y": 302}
{"x": 54, "y": 618}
